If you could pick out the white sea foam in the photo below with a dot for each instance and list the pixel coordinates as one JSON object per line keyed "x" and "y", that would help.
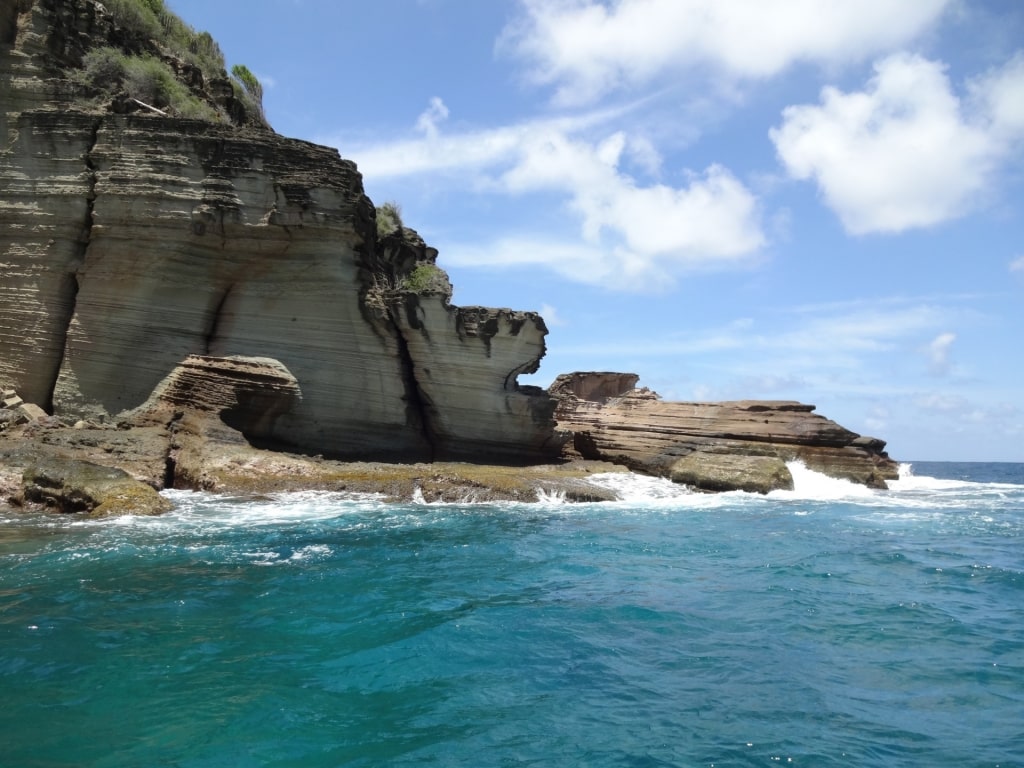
{"x": 209, "y": 511}
{"x": 203, "y": 513}
{"x": 908, "y": 481}
{"x": 631, "y": 487}
{"x": 814, "y": 486}
{"x": 633, "y": 490}
{"x": 545, "y": 496}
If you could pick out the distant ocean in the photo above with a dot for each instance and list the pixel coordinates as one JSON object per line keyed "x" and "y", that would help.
{"x": 829, "y": 626}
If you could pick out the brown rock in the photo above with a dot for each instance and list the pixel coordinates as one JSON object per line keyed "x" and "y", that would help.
{"x": 638, "y": 429}
{"x": 32, "y": 412}
{"x": 71, "y": 485}
{"x": 714, "y": 471}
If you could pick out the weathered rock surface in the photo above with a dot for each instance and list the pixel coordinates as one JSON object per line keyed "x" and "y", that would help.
{"x": 70, "y": 485}
{"x": 132, "y": 243}
{"x": 80, "y": 469}
{"x": 187, "y": 292}
{"x": 247, "y": 394}
{"x": 739, "y": 445}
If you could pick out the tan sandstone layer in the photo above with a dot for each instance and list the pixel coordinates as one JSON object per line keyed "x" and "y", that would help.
{"x": 178, "y": 294}
{"x": 739, "y": 445}
{"x": 131, "y": 242}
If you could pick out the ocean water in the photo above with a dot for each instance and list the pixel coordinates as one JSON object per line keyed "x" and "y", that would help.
{"x": 829, "y": 626}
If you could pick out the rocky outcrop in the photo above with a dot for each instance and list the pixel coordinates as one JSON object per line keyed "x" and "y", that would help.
{"x": 739, "y": 445}
{"x": 133, "y": 243}
{"x": 177, "y": 293}
{"x": 70, "y": 485}
{"x": 248, "y": 394}
{"x": 79, "y": 470}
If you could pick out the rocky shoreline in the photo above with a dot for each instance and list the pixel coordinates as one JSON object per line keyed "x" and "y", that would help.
{"x": 605, "y": 423}
{"x": 109, "y": 471}
{"x": 189, "y": 300}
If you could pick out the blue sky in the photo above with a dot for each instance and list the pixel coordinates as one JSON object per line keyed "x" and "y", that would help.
{"x": 814, "y": 200}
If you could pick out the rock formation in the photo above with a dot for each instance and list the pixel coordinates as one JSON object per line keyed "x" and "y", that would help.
{"x": 71, "y": 485}
{"x": 184, "y": 287}
{"x": 133, "y": 242}
{"x": 740, "y": 445}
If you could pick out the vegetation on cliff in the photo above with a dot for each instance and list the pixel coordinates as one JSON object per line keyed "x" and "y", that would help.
{"x": 389, "y": 218}
{"x": 426, "y": 278}
{"x": 155, "y": 58}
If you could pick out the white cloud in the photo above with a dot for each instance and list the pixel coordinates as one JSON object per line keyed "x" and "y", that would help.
{"x": 551, "y": 316}
{"x": 938, "y": 353}
{"x": 435, "y": 113}
{"x": 573, "y": 260}
{"x": 712, "y": 218}
{"x": 1017, "y": 265}
{"x": 838, "y": 337}
{"x": 464, "y": 152}
{"x": 934, "y": 401}
{"x": 586, "y": 48}
{"x": 999, "y": 94}
{"x": 634, "y": 237}
{"x": 904, "y": 153}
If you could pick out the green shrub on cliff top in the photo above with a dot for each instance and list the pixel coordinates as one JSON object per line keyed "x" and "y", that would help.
{"x": 151, "y": 78}
{"x": 137, "y": 17}
{"x": 104, "y": 68}
{"x": 151, "y": 20}
{"x": 389, "y": 218}
{"x": 151, "y": 81}
{"x": 426, "y": 278}
{"x": 250, "y": 83}
{"x": 145, "y": 78}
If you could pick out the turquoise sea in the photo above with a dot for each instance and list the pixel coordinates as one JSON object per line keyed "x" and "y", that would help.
{"x": 829, "y": 626}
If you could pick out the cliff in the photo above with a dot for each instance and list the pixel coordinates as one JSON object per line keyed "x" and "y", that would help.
{"x": 134, "y": 240}
{"x": 182, "y": 287}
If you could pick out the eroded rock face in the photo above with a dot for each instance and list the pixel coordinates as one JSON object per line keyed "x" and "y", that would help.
{"x": 211, "y": 281}
{"x": 466, "y": 361}
{"x": 133, "y": 243}
{"x": 247, "y": 394}
{"x": 71, "y": 485}
{"x": 698, "y": 443}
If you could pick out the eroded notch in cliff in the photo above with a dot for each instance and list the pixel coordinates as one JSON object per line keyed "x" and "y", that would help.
{"x": 171, "y": 456}
{"x": 417, "y": 406}
{"x": 67, "y": 292}
{"x": 215, "y": 320}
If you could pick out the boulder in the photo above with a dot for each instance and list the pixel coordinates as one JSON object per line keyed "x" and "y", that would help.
{"x": 714, "y": 471}
{"x": 31, "y": 412}
{"x": 71, "y": 485}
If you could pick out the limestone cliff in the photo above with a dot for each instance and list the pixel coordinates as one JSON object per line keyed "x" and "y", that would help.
{"x": 132, "y": 241}
{"x": 722, "y": 446}
{"x": 184, "y": 286}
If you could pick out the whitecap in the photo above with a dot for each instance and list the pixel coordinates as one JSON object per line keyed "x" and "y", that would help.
{"x": 809, "y": 485}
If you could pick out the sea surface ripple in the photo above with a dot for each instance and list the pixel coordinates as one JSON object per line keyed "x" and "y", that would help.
{"x": 827, "y": 626}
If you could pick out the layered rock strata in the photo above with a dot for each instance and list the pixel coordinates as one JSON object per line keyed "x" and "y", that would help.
{"x": 132, "y": 243}
{"x": 177, "y": 293}
{"x": 739, "y": 445}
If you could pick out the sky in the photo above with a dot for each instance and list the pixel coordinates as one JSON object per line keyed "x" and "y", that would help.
{"x": 812, "y": 200}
